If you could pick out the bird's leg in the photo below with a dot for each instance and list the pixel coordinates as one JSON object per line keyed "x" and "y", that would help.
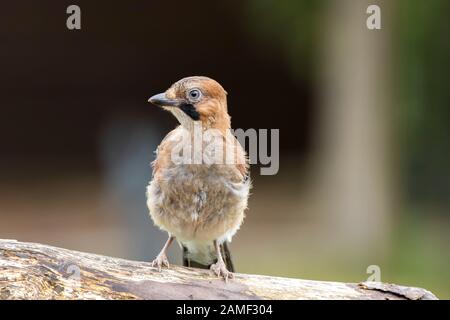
{"x": 220, "y": 268}
{"x": 161, "y": 259}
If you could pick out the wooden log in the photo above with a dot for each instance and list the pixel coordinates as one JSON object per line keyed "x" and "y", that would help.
{"x": 36, "y": 271}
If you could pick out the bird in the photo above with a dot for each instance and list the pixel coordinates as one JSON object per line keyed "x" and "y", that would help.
{"x": 201, "y": 204}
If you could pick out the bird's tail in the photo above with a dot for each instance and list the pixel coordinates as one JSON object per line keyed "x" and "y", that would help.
{"x": 196, "y": 259}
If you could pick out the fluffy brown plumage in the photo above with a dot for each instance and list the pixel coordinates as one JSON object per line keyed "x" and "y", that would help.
{"x": 200, "y": 204}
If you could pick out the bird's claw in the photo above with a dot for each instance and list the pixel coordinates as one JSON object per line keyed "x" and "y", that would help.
{"x": 221, "y": 271}
{"x": 160, "y": 261}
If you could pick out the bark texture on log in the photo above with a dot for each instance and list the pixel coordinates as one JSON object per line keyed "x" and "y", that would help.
{"x": 36, "y": 271}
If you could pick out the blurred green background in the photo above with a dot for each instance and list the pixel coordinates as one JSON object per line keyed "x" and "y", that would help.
{"x": 364, "y": 119}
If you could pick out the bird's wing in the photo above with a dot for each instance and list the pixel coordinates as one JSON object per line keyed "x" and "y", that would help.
{"x": 163, "y": 152}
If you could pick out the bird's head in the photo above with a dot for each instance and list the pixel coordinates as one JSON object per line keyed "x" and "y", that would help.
{"x": 196, "y": 99}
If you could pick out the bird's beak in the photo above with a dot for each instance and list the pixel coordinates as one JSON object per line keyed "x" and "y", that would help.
{"x": 162, "y": 101}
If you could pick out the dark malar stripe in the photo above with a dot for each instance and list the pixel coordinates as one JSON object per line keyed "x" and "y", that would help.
{"x": 189, "y": 109}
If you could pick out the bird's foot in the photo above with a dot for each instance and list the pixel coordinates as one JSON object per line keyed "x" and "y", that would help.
{"x": 160, "y": 261}
{"x": 219, "y": 268}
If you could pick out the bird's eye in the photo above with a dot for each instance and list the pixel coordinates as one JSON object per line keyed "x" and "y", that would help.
{"x": 194, "y": 94}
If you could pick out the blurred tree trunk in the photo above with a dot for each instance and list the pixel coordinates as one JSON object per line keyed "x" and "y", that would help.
{"x": 354, "y": 158}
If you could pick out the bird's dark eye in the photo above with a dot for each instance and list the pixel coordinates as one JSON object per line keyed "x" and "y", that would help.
{"x": 194, "y": 94}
